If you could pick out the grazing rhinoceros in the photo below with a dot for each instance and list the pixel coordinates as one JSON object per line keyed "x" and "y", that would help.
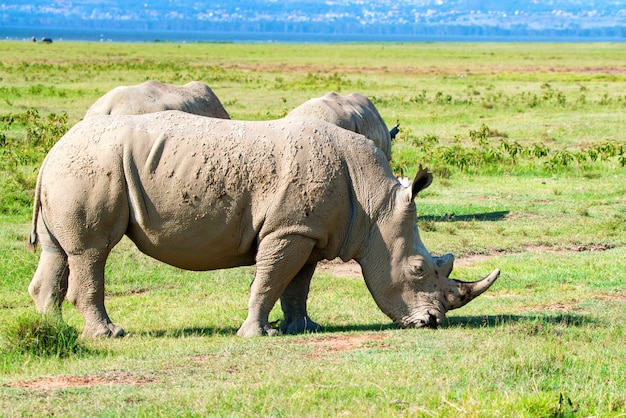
{"x": 153, "y": 96}
{"x": 203, "y": 193}
{"x": 353, "y": 112}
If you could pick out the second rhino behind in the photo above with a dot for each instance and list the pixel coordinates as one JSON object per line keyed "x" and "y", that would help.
{"x": 153, "y": 96}
{"x": 353, "y": 112}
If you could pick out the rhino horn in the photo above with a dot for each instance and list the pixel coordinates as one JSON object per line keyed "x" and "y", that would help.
{"x": 463, "y": 292}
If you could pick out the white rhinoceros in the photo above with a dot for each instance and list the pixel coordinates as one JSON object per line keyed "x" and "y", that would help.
{"x": 153, "y": 96}
{"x": 202, "y": 193}
{"x": 353, "y": 112}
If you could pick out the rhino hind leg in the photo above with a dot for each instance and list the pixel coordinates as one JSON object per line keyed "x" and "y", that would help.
{"x": 86, "y": 292}
{"x": 293, "y": 302}
{"x": 49, "y": 284}
{"x": 279, "y": 259}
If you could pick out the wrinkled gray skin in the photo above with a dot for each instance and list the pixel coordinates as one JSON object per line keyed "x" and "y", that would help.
{"x": 202, "y": 193}
{"x": 153, "y": 96}
{"x": 353, "y": 112}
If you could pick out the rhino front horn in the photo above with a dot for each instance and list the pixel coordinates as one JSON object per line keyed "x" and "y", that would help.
{"x": 464, "y": 292}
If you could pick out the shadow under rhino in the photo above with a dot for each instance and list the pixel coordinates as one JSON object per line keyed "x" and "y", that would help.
{"x": 534, "y": 324}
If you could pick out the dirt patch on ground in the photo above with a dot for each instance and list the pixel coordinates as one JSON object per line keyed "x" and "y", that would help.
{"x": 104, "y": 379}
{"x": 471, "y": 259}
{"x": 350, "y": 269}
{"x": 570, "y": 248}
{"x": 340, "y": 343}
{"x": 325, "y": 344}
{"x": 613, "y": 297}
{"x": 424, "y": 69}
{"x": 554, "y": 307}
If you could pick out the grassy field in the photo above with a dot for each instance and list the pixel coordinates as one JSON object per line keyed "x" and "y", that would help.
{"x": 526, "y": 142}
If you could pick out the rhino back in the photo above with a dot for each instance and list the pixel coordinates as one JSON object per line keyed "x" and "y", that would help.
{"x": 202, "y": 192}
{"x": 153, "y": 96}
{"x": 199, "y": 99}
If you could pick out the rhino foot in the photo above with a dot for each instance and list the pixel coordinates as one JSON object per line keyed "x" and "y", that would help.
{"x": 107, "y": 331}
{"x": 251, "y": 329}
{"x": 299, "y": 325}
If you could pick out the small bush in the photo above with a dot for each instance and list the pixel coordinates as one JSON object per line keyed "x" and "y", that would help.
{"x": 25, "y": 138}
{"x": 489, "y": 150}
{"x": 42, "y": 336}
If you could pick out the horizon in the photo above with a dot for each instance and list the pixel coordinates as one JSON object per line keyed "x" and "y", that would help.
{"x": 314, "y": 21}
{"x": 59, "y": 34}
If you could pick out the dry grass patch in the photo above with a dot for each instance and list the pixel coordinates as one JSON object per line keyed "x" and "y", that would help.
{"x": 88, "y": 380}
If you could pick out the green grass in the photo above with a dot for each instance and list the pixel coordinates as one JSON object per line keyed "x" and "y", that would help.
{"x": 546, "y": 340}
{"x": 41, "y": 336}
{"x": 515, "y": 352}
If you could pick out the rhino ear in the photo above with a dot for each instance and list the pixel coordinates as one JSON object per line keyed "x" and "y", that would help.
{"x": 422, "y": 180}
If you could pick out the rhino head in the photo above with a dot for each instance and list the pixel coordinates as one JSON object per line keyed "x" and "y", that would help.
{"x": 410, "y": 286}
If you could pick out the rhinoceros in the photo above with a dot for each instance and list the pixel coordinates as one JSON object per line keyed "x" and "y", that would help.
{"x": 353, "y": 112}
{"x": 202, "y": 193}
{"x": 153, "y": 96}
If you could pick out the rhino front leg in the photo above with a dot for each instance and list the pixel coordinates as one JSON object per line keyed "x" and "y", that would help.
{"x": 293, "y": 302}
{"x": 86, "y": 292}
{"x": 278, "y": 261}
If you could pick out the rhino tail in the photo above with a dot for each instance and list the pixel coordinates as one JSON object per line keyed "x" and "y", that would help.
{"x": 33, "y": 239}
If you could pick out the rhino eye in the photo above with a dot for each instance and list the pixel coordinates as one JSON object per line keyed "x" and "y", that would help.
{"x": 416, "y": 271}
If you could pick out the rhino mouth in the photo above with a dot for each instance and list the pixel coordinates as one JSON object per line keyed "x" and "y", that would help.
{"x": 431, "y": 322}
{"x": 428, "y": 320}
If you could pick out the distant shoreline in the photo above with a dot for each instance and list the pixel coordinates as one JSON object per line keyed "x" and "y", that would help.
{"x": 149, "y": 36}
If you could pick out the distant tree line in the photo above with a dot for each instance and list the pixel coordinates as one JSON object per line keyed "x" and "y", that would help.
{"x": 340, "y": 27}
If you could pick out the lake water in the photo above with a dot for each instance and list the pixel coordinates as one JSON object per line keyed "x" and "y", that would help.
{"x": 95, "y": 35}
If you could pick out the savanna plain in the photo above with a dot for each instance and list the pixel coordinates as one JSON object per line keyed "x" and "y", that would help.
{"x": 527, "y": 146}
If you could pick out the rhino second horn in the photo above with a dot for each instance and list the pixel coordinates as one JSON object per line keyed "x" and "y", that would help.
{"x": 464, "y": 292}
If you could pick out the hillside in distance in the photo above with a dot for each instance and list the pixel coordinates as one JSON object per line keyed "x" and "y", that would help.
{"x": 572, "y": 18}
